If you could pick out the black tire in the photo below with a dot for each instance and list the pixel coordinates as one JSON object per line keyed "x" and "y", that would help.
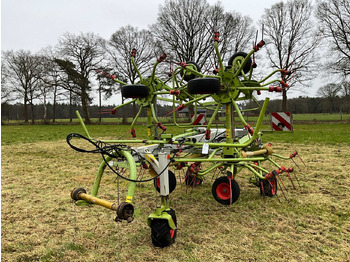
{"x": 221, "y": 190}
{"x": 208, "y": 85}
{"x": 162, "y": 234}
{"x": 268, "y": 187}
{"x": 135, "y": 91}
{"x": 247, "y": 66}
{"x": 189, "y": 77}
{"x": 172, "y": 182}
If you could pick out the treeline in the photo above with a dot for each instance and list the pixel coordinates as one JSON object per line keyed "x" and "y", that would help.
{"x": 66, "y": 112}
{"x": 184, "y": 31}
{"x": 313, "y": 105}
{"x": 301, "y": 105}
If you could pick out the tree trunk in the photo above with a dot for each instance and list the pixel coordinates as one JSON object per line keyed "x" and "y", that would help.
{"x": 100, "y": 103}
{"x": 54, "y": 105}
{"x": 70, "y": 107}
{"x": 123, "y": 108}
{"x": 25, "y": 111}
{"x": 84, "y": 105}
{"x": 32, "y": 111}
{"x": 284, "y": 101}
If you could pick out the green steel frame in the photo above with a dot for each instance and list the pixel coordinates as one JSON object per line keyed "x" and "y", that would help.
{"x": 235, "y": 86}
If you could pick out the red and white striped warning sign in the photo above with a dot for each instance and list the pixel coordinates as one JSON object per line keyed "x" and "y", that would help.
{"x": 200, "y": 120}
{"x": 281, "y": 121}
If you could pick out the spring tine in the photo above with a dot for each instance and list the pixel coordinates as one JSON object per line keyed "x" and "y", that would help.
{"x": 282, "y": 187}
{"x": 296, "y": 164}
{"x": 301, "y": 160}
{"x": 190, "y": 184}
{"x": 193, "y": 182}
{"x": 296, "y": 178}
{"x": 216, "y": 171}
{"x": 140, "y": 175}
{"x": 122, "y": 172}
{"x": 291, "y": 180}
{"x": 180, "y": 178}
{"x": 281, "y": 181}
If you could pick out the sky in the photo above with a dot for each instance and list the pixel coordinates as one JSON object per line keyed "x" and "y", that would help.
{"x": 36, "y": 24}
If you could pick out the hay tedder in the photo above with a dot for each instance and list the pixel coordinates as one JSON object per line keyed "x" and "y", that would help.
{"x": 222, "y": 150}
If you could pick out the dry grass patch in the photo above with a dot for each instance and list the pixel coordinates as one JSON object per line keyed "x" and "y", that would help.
{"x": 40, "y": 222}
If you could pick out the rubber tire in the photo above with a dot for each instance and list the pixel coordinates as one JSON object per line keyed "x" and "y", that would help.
{"x": 190, "y": 76}
{"x": 207, "y": 85}
{"x": 268, "y": 190}
{"x": 224, "y": 182}
{"x": 134, "y": 91}
{"x": 172, "y": 182}
{"x": 247, "y": 66}
{"x": 161, "y": 231}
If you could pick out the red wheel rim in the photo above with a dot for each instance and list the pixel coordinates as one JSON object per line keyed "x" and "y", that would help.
{"x": 223, "y": 191}
{"x": 172, "y": 231}
{"x": 158, "y": 182}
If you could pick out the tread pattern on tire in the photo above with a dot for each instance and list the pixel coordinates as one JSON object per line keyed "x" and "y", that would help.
{"x": 134, "y": 91}
{"x": 160, "y": 231}
{"x": 207, "y": 85}
{"x": 247, "y": 66}
{"x": 234, "y": 187}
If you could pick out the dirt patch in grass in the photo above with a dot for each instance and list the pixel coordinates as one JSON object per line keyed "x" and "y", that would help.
{"x": 40, "y": 223}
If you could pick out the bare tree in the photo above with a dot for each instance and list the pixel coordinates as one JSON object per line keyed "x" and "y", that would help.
{"x": 85, "y": 54}
{"x": 120, "y": 46}
{"x": 291, "y": 41}
{"x": 24, "y": 72}
{"x": 6, "y": 92}
{"x": 185, "y": 29}
{"x": 346, "y": 89}
{"x": 330, "y": 92}
{"x": 334, "y": 18}
{"x": 236, "y": 31}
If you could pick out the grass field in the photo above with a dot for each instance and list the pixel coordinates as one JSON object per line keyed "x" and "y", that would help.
{"x": 296, "y": 117}
{"x": 39, "y": 222}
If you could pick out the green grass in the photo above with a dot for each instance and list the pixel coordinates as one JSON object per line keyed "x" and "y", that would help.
{"x": 325, "y": 133}
{"x": 39, "y": 221}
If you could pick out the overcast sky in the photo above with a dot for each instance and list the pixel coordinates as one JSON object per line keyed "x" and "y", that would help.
{"x": 35, "y": 24}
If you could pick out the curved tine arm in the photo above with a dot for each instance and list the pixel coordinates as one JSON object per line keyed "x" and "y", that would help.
{"x": 213, "y": 116}
{"x": 271, "y": 74}
{"x": 133, "y": 174}
{"x": 219, "y": 56}
{"x": 119, "y": 82}
{"x": 135, "y": 67}
{"x": 136, "y": 117}
{"x": 238, "y": 111}
{"x": 154, "y": 113}
{"x": 244, "y": 63}
{"x": 127, "y": 103}
{"x": 82, "y": 124}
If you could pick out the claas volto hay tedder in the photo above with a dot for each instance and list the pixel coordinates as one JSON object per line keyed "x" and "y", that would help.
{"x": 220, "y": 150}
